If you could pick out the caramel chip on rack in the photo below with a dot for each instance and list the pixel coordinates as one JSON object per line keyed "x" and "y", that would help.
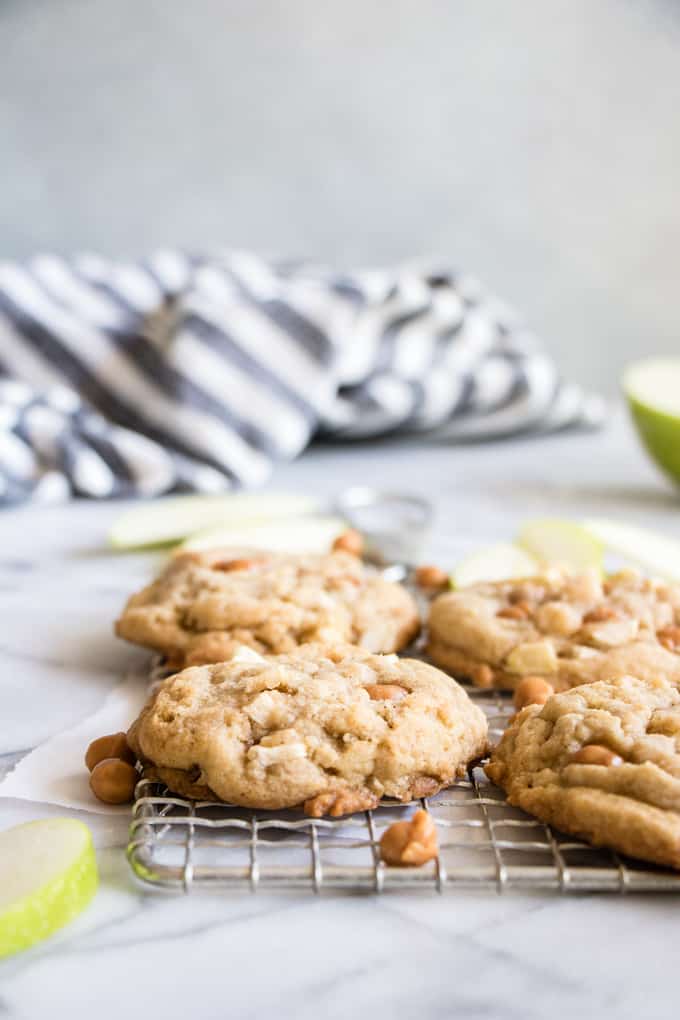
{"x": 411, "y": 843}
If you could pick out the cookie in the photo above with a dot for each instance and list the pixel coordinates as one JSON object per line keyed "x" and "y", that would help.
{"x": 204, "y": 605}
{"x": 569, "y": 629}
{"x": 331, "y": 728}
{"x": 602, "y": 762}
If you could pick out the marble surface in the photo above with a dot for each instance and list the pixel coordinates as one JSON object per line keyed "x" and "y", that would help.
{"x": 467, "y": 954}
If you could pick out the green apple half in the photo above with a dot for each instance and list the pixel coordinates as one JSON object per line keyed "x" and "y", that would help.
{"x": 48, "y": 874}
{"x": 652, "y": 388}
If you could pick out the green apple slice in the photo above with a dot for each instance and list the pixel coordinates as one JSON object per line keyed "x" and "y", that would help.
{"x": 494, "y": 563}
{"x": 656, "y": 553}
{"x": 313, "y": 534}
{"x": 170, "y": 520}
{"x": 48, "y": 874}
{"x": 652, "y": 388}
{"x": 563, "y": 543}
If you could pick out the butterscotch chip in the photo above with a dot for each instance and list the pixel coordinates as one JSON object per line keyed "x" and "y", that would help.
{"x": 518, "y": 611}
{"x": 410, "y": 844}
{"x": 340, "y": 802}
{"x": 595, "y": 754}
{"x": 569, "y": 629}
{"x": 483, "y": 676}
{"x": 113, "y": 781}
{"x": 349, "y": 541}
{"x": 532, "y": 690}
{"x": 114, "y": 745}
{"x": 386, "y": 692}
{"x": 202, "y": 607}
{"x": 303, "y": 729}
{"x": 630, "y": 730}
{"x": 599, "y": 614}
{"x": 669, "y": 638}
{"x": 239, "y": 564}
{"x": 431, "y": 578}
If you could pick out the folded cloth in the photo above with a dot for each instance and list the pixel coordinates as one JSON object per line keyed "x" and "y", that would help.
{"x": 181, "y": 372}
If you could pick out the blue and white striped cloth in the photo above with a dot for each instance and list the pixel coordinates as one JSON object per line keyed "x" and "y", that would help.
{"x": 180, "y": 373}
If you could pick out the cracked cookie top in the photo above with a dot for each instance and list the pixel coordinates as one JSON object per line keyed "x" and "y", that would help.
{"x": 569, "y": 629}
{"x": 204, "y": 605}
{"x": 601, "y": 761}
{"x": 332, "y": 728}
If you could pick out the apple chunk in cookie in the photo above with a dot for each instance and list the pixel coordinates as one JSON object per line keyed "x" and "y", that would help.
{"x": 332, "y": 728}
{"x": 566, "y": 628}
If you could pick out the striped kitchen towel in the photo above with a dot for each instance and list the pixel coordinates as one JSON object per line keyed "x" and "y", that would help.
{"x": 179, "y": 373}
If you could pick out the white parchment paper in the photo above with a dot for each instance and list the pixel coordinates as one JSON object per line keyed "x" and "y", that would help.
{"x": 55, "y": 772}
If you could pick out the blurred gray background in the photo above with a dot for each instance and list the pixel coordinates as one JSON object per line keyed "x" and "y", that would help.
{"x": 534, "y": 143}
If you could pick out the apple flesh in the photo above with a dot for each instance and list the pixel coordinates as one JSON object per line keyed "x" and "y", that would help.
{"x": 562, "y": 543}
{"x": 501, "y": 562}
{"x": 170, "y": 520}
{"x": 298, "y": 535}
{"x": 48, "y": 875}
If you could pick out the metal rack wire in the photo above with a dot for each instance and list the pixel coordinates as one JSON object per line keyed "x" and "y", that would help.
{"x": 484, "y": 844}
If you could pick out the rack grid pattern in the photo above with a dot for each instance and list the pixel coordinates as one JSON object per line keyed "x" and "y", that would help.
{"x": 484, "y": 844}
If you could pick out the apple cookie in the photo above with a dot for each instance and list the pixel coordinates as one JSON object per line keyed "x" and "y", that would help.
{"x": 206, "y": 604}
{"x": 568, "y": 629}
{"x": 601, "y": 761}
{"x": 333, "y": 729}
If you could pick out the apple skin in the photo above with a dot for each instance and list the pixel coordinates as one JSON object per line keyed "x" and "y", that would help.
{"x": 552, "y": 540}
{"x": 660, "y": 435}
{"x": 500, "y": 562}
{"x": 52, "y": 905}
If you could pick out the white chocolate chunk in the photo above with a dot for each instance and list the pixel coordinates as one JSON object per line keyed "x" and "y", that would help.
{"x": 558, "y": 618}
{"x": 612, "y": 633}
{"x": 375, "y": 638}
{"x": 585, "y": 587}
{"x": 583, "y": 652}
{"x": 246, "y": 655}
{"x": 362, "y": 672}
{"x": 265, "y": 756}
{"x": 269, "y": 709}
{"x": 532, "y": 657}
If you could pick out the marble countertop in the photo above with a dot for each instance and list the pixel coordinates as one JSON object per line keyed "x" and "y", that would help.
{"x": 466, "y": 954}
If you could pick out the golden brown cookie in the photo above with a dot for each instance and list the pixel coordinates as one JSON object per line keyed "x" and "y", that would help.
{"x": 204, "y": 605}
{"x": 331, "y": 728}
{"x": 569, "y": 629}
{"x": 601, "y": 761}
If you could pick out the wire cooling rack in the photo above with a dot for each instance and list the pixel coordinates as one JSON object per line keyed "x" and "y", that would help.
{"x": 484, "y": 843}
